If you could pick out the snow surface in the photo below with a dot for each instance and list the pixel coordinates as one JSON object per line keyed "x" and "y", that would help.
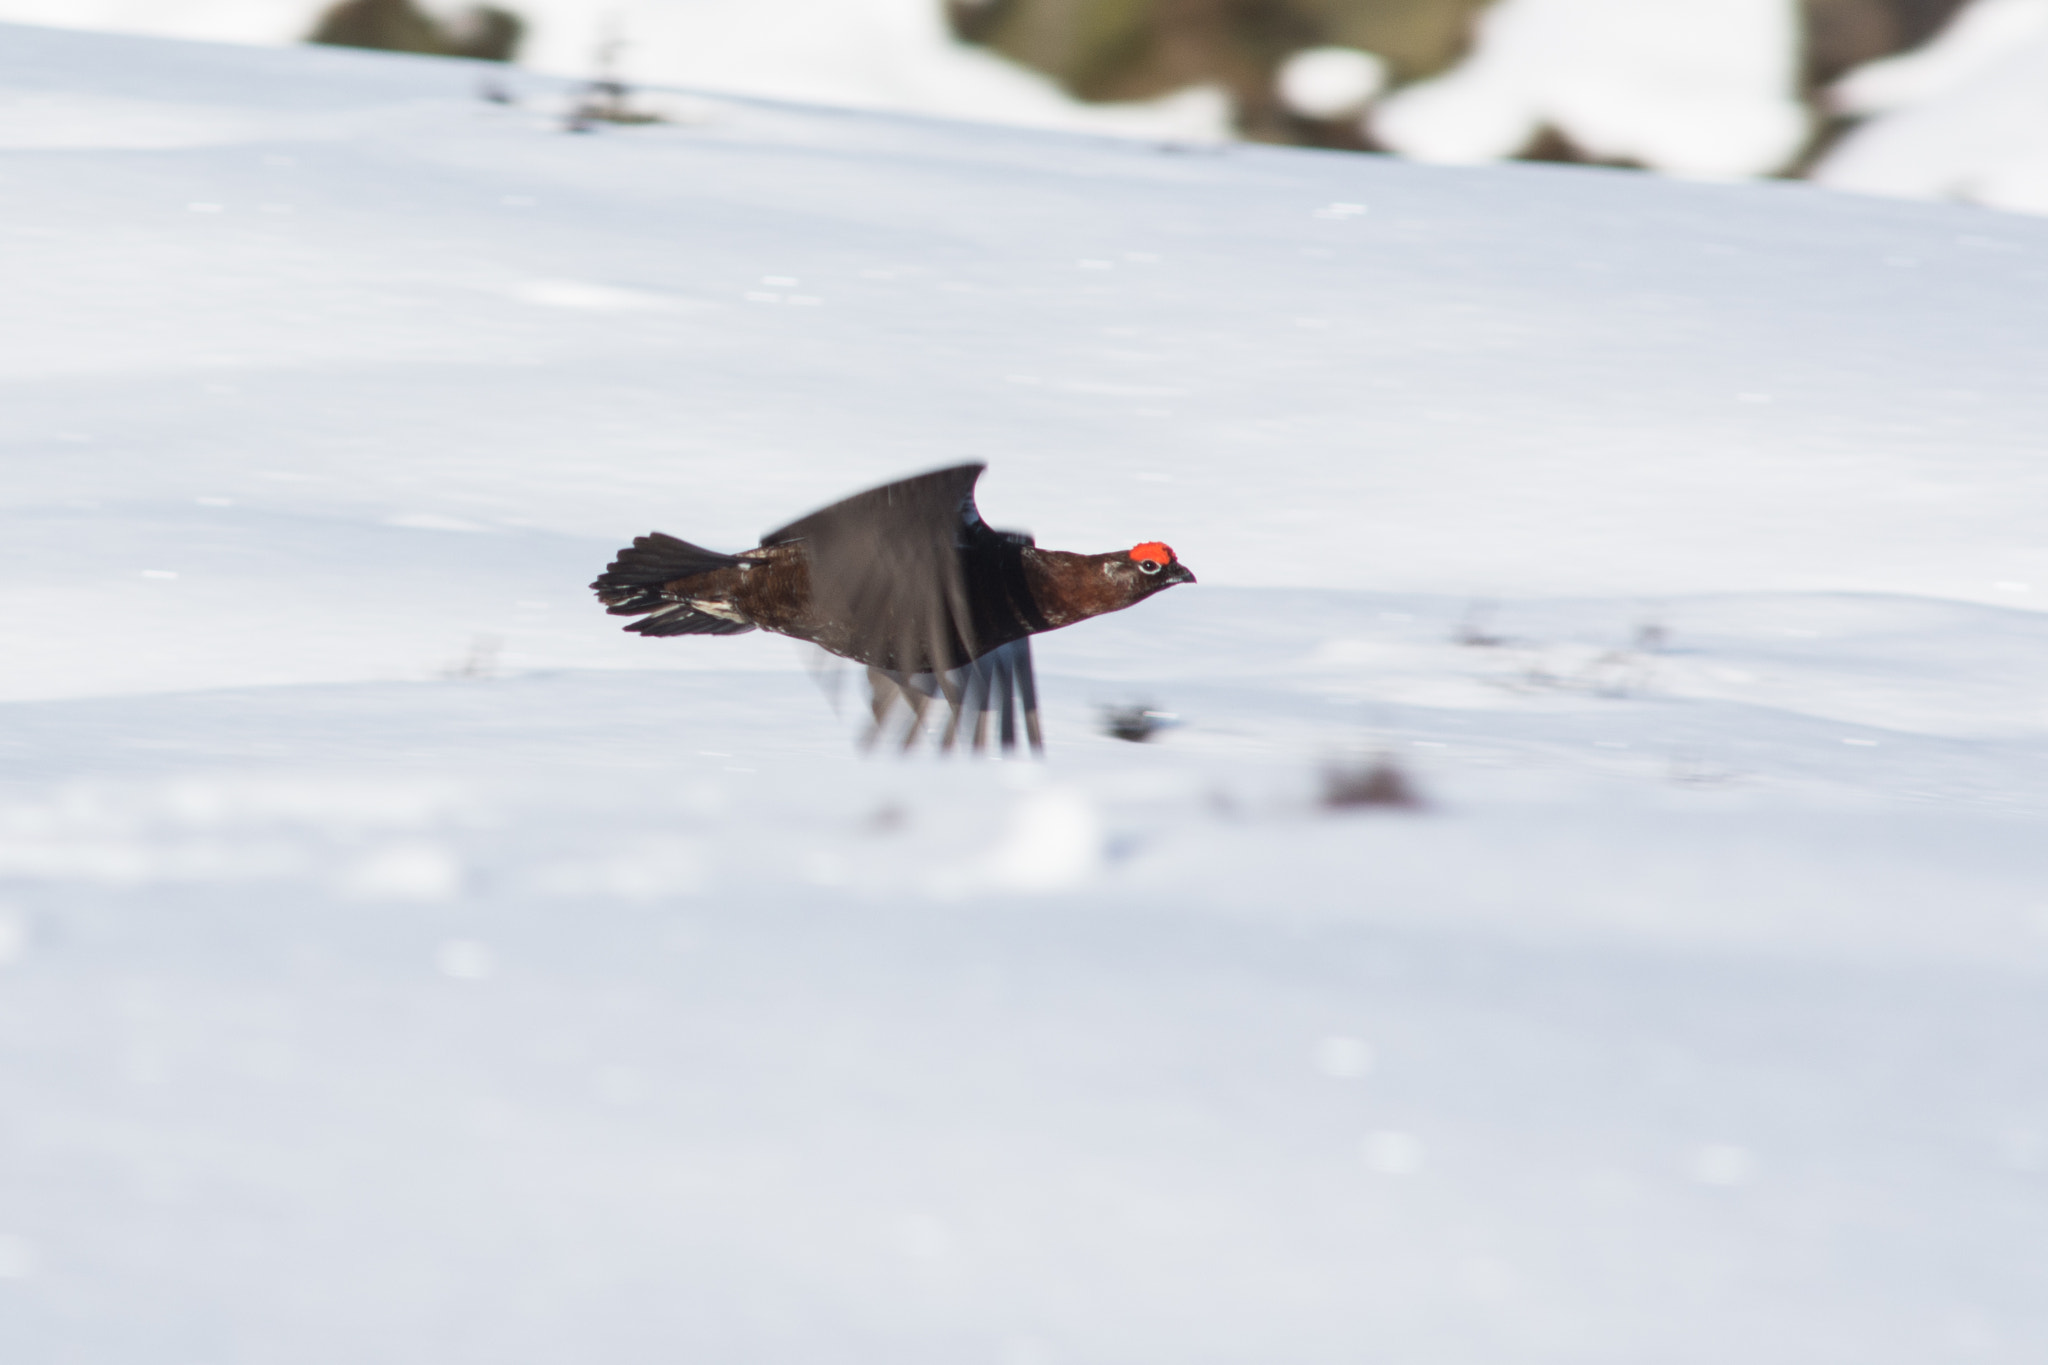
{"x": 881, "y": 54}
{"x": 1330, "y": 82}
{"x": 1965, "y": 117}
{"x": 1977, "y": 37}
{"x": 401, "y": 963}
{"x": 1693, "y": 87}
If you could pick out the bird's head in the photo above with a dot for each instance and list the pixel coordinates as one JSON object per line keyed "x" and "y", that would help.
{"x": 1151, "y": 567}
{"x": 1073, "y": 587}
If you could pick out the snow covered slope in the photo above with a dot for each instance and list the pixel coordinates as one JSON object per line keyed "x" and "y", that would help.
{"x": 400, "y": 963}
{"x": 1965, "y": 117}
{"x": 1693, "y": 87}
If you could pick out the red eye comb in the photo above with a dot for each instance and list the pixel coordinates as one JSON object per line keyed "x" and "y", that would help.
{"x": 1153, "y": 550}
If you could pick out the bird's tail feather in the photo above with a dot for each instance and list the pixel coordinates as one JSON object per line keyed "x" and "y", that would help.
{"x": 678, "y": 619}
{"x": 631, "y": 584}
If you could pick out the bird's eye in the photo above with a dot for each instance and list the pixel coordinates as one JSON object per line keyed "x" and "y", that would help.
{"x": 1149, "y": 565}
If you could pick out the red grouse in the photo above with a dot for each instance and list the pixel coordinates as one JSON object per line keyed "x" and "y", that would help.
{"x": 907, "y": 579}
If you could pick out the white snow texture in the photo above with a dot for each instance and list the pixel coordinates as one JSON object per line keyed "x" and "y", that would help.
{"x": 1702, "y": 88}
{"x": 400, "y": 963}
{"x": 1708, "y": 88}
{"x": 882, "y": 54}
{"x": 1965, "y": 117}
{"x": 1693, "y": 87}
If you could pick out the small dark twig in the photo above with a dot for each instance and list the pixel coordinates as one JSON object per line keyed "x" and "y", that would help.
{"x": 480, "y": 662}
{"x": 1376, "y": 782}
{"x": 1472, "y": 630}
{"x": 607, "y": 100}
{"x": 887, "y": 818}
{"x": 1137, "y": 723}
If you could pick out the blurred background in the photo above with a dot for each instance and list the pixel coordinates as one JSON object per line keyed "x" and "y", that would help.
{"x": 1942, "y": 99}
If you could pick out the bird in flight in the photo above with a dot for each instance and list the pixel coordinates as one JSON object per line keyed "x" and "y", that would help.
{"x": 906, "y": 579}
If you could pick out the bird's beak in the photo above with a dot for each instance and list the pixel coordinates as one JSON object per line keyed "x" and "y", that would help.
{"x": 1178, "y": 572}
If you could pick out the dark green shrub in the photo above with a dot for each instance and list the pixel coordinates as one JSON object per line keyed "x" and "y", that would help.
{"x": 484, "y": 32}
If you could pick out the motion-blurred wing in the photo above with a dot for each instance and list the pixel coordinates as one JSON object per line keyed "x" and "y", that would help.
{"x": 907, "y": 577}
{"x": 995, "y": 686}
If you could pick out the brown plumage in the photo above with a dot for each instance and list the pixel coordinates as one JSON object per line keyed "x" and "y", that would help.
{"x": 907, "y": 579}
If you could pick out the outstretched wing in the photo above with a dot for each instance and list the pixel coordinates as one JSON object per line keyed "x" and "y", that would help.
{"x": 908, "y": 579}
{"x": 996, "y": 686}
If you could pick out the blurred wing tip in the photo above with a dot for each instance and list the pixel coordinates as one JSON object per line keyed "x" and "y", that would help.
{"x": 997, "y": 686}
